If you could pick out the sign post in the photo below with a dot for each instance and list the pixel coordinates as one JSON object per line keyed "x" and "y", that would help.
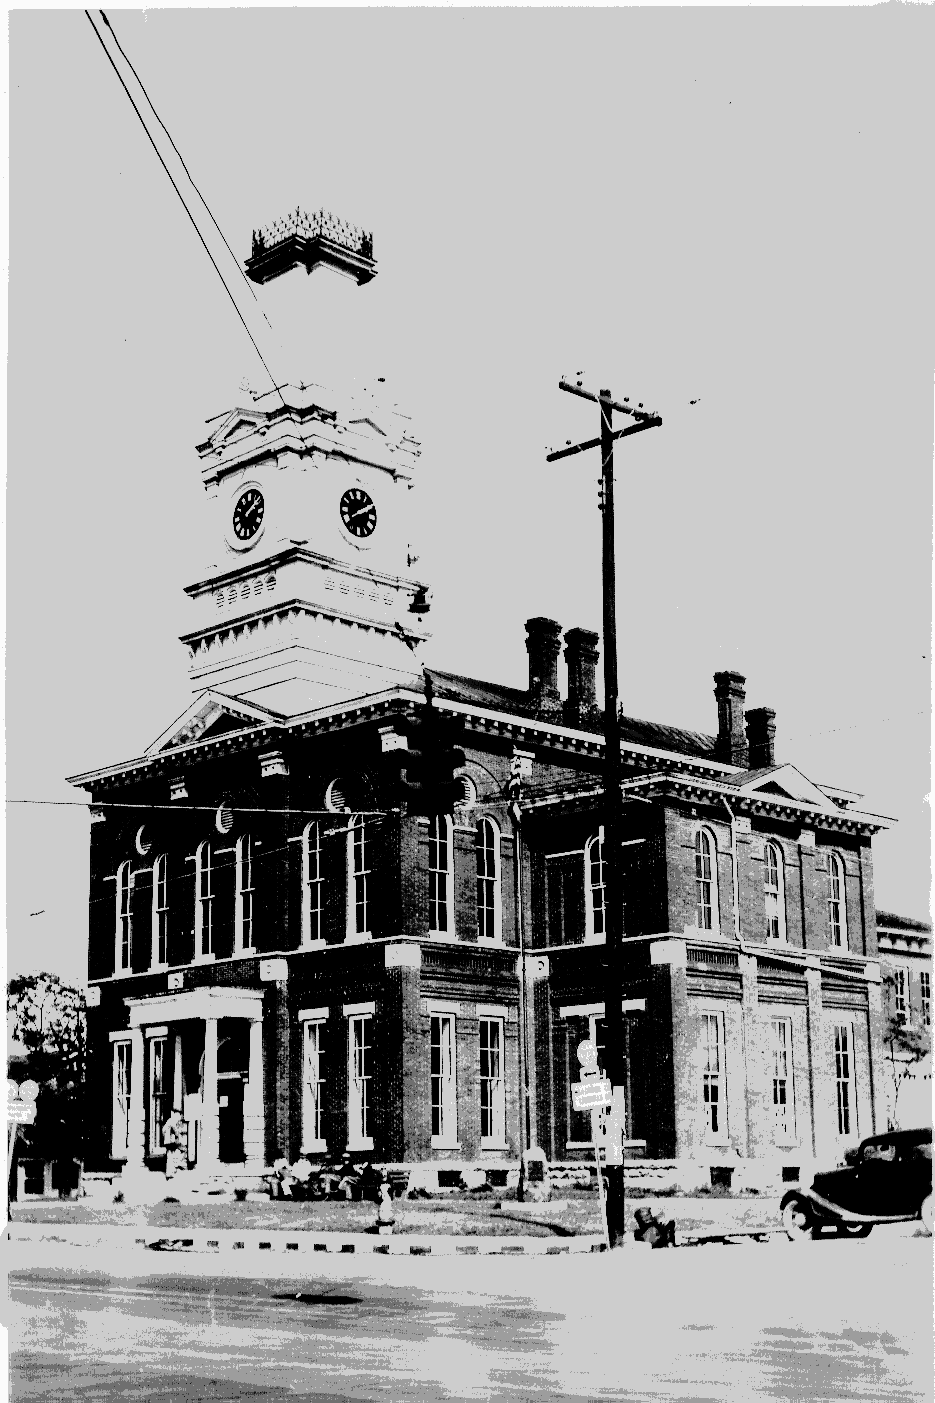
{"x": 20, "y": 1110}
{"x": 592, "y": 1093}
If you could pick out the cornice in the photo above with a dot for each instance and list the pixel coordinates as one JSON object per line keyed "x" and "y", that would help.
{"x": 293, "y": 607}
{"x": 291, "y": 554}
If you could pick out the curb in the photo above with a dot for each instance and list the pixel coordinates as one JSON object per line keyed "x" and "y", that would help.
{"x": 215, "y": 1241}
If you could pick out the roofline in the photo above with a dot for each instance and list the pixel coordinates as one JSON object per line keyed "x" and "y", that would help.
{"x": 296, "y": 552}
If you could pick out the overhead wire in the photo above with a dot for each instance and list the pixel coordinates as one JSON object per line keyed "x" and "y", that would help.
{"x": 178, "y": 192}
{"x": 178, "y": 153}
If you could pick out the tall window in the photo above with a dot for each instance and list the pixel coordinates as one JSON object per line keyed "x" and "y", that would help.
{"x": 158, "y": 1110}
{"x": 120, "y": 1132}
{"x": 439, "y": 872}
{"x": 491, "y": 1081}
{"x": 124, "y": 916}
{"x": 844, "y": 1077}
{"x": 783, "y": 1097}
{"x": 925, "y": 992}
{"x": 204, "y": 903}
{"x": 901, "y": 995}
{"x": 160, "y": 910}
{"x": 596, "y": 891}
{"x": 837, "y": 914}
{"x": 487, "y": 851}
{"x": 313, "y": 1086}
{"x": 712, "y": 1075}
{"x": 774, "y": 893}
{"x": 706, "y": 902}
{"x": 360, "y": 1070}
{"x": 358, "y": 912}
{"x": 244, "y": 910}
{"x": 444, "y": 1100}
{"x": 311, "y": 885}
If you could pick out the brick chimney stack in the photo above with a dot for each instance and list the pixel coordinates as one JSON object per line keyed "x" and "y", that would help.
{"x": 581, "y": 655}
{"x": 730, "y": 694}
{"x": 761, "y": 737}
{"x": 543, "y": 644}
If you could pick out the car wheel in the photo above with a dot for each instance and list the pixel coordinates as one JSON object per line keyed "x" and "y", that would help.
{"x": 797, "y": 1219}
{"x": 854, "y": 1229}
{"x": 927, "y": 1210}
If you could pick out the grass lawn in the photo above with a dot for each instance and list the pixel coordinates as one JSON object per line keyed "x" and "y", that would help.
{"x": 457, "y": 1214}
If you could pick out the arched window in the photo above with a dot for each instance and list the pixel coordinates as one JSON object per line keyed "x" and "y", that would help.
{"x": 311, "y": 885}
{"x": 707, "y": 916}
{"x": 487, "y": 852}
{"x": 358, "y": 878}
{"x": 595, "y": 910}
{"x": 837, "y": 909}
{"x": 440, "y": 873}
{"x": 124, "y": 933}
{"x": 204, "y": 901}
{"x": 160, "y": 911}
{"x": 774, "y": 894}
{"x": 244, "y": 908}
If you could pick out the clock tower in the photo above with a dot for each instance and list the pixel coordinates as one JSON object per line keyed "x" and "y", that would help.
{"x": 310, "y": 598}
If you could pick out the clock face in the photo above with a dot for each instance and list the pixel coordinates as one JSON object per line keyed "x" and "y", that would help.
{"x": 248, "y": 514}
{"x": 358, "y": 512}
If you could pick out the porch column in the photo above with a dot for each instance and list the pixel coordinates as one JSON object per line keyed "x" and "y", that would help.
{"x": 254, "y": 1130}
{"x": 177, "y": 1074}
{"x": 209, "y": 1148}
{"x": 136, "y": 1140}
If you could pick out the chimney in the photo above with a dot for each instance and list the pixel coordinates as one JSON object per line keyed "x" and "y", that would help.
{"x": 761, "y": 737}
{"x": 543, "y": 644}
{"x": 730, "y": 695}
{"x": 581, "y": 656}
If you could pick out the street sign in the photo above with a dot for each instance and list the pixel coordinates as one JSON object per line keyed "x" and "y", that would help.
{"x": 595, "y": 1091}
{"x": 20, "y": 1112}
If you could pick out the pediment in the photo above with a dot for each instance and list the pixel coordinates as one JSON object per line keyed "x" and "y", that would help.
{"x": 239, "y": 429}
{"x": 371, "y": 424}
{"x": 784, "y": 782}
{"x": 209, "y": 715}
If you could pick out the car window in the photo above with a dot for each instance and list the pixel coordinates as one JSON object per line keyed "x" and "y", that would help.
{"x": 886, "y": 1151}
{"x": 917, "y": 1151}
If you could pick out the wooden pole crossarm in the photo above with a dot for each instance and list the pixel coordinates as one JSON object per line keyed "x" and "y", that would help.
{"x": 598, "y": 399}
{"x": 652, "y": 423}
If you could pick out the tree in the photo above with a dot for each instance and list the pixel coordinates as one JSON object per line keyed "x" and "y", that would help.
{"x": 47, "y": 1016}
{"x": 907, "y": 1045}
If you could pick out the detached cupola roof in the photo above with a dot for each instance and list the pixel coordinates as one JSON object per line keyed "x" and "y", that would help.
{"x": 319, "y": 239}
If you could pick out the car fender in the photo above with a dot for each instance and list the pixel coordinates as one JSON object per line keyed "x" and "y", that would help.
{"x": 846, "y": 1215}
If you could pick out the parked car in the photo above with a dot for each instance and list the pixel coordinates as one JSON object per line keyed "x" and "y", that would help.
{"x": 886, "y": 1179}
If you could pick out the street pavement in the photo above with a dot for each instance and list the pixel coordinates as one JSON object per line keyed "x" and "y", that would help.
{"x": 828, "y": 1320}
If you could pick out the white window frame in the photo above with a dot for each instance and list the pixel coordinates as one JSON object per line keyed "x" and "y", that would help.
{"x": 441, "y": 877}
{"x": 774, "y": 895}
{"x": 120, "y": 1098}
{"x": 444, "y": 1082}
{"x": 495, "y": 1096}
{"x": 837, "y": 902}
{"x": 313, "y": 911}
{"x": 782, "y": 1081}
{"x": 313, "y": 1081}
{"x": 156, "y": 1048}
{"x": 925, "y": 997}
{"x": 160, "y": 920}
{"x": 705, "y": 835}
{"x": 713, "y": 1079}
{"x": 123, "y": 933}
{"x": 359, "y": 1081}
{"x": 358, "y": 883}
{"x": 901, "y": 994}
{"x": 595, "y": 911}
{"x": 204, "y": 903}
{"x": 244, "y": 907}
{"x": 845, "y": 1081}
{"x": 488, "y": 882}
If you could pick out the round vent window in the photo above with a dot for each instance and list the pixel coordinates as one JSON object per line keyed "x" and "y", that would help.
{"x": 224, "y": 819}
{"x": 335, "y": 797}
{"x": 468, "y": 796}
{"x": 144, "y": 842}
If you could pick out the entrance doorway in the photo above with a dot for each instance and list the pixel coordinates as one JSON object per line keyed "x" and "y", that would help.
{"x": 230, "y": 1118}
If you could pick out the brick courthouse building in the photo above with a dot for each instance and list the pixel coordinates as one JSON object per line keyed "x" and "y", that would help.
{"x": 296, "y": 963}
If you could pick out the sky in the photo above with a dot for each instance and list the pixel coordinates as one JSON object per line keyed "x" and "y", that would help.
{"x": 729, "y": 207}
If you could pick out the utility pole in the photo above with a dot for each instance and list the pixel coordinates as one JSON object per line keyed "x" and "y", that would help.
{"x": 613, "y": 887}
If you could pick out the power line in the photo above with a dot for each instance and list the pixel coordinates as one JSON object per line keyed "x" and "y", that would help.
{"x": 178, "y": 153}
{"x": 184, "y": 205}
